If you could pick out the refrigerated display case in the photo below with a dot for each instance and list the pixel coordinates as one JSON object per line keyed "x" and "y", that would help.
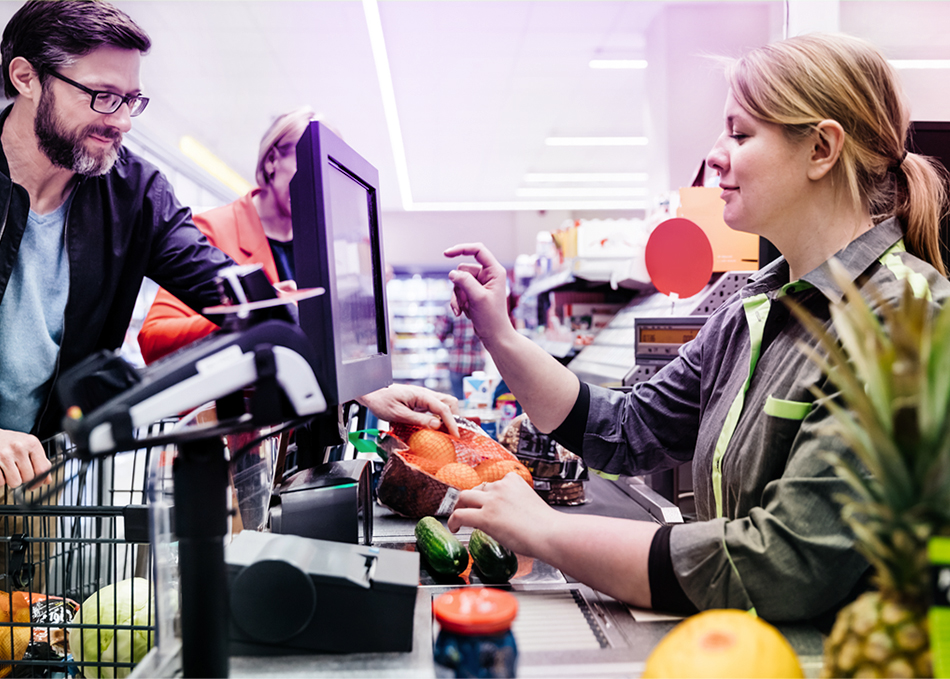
{"x": 416, "y": 301}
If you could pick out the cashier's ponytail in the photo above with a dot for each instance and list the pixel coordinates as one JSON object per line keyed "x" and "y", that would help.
{"x": 801, "y": 81}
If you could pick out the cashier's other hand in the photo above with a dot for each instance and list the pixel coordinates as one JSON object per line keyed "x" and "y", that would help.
{"x": 509, "y": 510}
{"x": 480, "y": 290}
{"x": 22, "y": 459}
{"x": 410, "y": 404}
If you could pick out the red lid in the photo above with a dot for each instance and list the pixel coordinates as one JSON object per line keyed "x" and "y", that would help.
{"x": 475, "y": 610}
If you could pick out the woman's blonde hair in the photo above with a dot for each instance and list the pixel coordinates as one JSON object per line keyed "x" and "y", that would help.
{"x": 806, "y": 79}
{"x": 290, "y": 123}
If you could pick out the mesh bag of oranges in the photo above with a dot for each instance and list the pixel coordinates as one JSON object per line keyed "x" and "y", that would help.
{"x": 34, "y": 630}
{"x": 427, "y": 468}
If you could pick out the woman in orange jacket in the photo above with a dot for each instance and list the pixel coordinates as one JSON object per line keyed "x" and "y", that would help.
{"x": 257, "y": 228}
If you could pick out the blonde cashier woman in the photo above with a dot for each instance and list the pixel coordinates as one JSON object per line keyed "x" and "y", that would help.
{"x": 812, "y": 158}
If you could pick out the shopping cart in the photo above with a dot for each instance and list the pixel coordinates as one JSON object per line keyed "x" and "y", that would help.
{"x": 76, "y": 592}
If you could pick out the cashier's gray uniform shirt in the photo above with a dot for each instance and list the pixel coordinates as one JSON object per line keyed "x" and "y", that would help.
{"x": 776, "y": 543}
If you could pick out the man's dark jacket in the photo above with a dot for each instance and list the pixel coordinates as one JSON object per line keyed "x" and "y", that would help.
{"x": 121, "y": 227}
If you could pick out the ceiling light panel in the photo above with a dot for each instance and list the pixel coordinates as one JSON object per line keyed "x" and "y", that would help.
{"x": 532, "y": 205}
{"x": 582, "y": 192}
{"x": 582, "y": 177}
{"x": 596, "y": 141}
{"x": 624, "y": 64}
{"x": 920, "y": 64}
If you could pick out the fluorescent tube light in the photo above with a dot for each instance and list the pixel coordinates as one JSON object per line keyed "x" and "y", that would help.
{"x": 920, "y": 63}
{"x": 618, "y": 63}
{"x": 213, "y": 165}
{"x": 375, "y": 26}
{"x": 586, "y": 177}
{"x": 582, "y": 192}
{"x": 596, "y": 141}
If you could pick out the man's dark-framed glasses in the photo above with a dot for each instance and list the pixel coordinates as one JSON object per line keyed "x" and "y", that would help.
{"x": 107, "y": 102}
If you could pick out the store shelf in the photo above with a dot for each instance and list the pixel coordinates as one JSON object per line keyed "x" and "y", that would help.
{"x": 420, "y": 342}
{"x": 611, "y": 356}
{"x": 416, "y": 302}
{"x": 588, "y": 270}
{"x": 556, "y": 348}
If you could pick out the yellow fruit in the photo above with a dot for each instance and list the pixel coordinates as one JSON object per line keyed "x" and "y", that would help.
{"x": 874, "y": 635}
{"x": 458, "y": 475}
{"x": 432, "y": 444}
{"x": 723, "y": 643}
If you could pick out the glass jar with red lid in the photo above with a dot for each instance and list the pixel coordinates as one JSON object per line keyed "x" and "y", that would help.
{"x": 475, "y": 638}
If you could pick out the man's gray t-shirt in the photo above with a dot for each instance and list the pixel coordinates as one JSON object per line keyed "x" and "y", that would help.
{"x": 31, "y": 319}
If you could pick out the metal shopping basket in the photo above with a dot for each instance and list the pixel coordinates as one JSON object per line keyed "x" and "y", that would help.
{"x": 74, "y": 565}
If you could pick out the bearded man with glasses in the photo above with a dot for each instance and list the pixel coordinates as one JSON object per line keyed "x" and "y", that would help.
{"x": 82, "y": 219}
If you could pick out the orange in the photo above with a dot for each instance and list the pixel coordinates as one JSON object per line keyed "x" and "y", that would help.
{"x": 423, "y": 463}
{"x": 493, "y": 470}
{"x": 459, "y": 475}
{"x": 433, "y": 445}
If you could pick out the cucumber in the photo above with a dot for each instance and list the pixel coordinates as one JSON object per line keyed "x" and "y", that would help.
{"x": 442, "y": 551}
{"x": 495, "y": 562}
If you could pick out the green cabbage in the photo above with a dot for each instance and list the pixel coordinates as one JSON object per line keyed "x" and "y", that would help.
{"x": 107, "y": 608}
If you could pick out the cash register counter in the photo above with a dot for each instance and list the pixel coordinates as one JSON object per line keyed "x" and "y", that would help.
{"x": 563, "y": 628}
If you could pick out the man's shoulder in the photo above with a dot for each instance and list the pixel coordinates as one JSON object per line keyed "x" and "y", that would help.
{"x": 129, "y": 164}
{"x": 131, "y": 180}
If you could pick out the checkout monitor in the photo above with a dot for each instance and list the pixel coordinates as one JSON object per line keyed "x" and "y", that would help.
{"x": 933, "y": 139}
{"x": 338, "y": 247}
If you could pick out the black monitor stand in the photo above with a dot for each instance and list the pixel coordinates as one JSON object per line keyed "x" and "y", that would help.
{"x": 200, "y": 473}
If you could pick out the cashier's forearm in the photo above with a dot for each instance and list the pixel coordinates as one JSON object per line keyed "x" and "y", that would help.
{"x": 544, "y": 388}
{"x": 609, "y": 554}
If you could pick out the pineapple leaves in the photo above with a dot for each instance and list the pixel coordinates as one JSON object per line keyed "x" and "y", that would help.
{"x": 888, "y": 372}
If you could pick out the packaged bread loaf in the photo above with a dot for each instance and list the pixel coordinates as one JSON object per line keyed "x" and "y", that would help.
{"x": 557, "y": 473}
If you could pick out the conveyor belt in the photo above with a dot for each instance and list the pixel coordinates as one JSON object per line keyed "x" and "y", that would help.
{"x": 558, "y": 620}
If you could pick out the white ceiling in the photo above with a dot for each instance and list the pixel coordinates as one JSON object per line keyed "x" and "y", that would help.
{"x": 478, "y": 85}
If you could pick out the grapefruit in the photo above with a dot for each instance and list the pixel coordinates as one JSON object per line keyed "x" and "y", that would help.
{"x": 723, "y": 643}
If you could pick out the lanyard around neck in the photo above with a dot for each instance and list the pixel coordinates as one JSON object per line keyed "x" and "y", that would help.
{"x": 756, "y": 312}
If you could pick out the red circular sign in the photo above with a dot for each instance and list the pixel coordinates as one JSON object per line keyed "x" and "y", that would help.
{"x": 679, "y": 257}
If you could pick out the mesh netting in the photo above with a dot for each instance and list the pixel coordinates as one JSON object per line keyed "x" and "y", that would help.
{"x": 408, "y": 484}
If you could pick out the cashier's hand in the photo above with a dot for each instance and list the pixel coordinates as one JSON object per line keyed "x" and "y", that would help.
{"x": 509, "y": 510}
{"x": 410, "y": 404}
{"x": 22, "y": 459}
{"x": 480, "y": 290}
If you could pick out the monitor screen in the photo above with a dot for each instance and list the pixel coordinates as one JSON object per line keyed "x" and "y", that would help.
{"x": 338, "y": 246}
{"x": 353, "y": 258}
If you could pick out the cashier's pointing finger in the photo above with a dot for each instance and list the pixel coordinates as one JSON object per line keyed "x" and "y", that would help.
{"x": 480, "y": 290}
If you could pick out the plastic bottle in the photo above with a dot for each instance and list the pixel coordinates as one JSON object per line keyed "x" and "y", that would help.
{"x": 475, "y": 638}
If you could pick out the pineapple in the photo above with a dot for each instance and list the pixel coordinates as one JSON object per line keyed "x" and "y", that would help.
{"x": 893, "y": 377}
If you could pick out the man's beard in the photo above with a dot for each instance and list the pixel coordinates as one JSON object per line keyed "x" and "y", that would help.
{"x": 66, "y": 149}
